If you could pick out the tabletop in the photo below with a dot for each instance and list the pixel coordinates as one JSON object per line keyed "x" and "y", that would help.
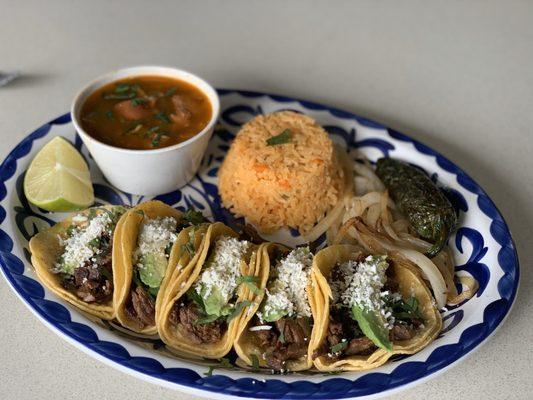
{"x": 456, "y": 75}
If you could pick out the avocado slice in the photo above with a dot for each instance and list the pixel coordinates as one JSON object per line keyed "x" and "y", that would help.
{"x": 274, "y": 315}
{"x": 153, "y": 269}
{"x": 373, "y": 325}
{"x": 214, "y": 303}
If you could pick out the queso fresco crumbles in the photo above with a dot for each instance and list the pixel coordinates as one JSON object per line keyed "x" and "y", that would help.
{"x": 145, "y": 112}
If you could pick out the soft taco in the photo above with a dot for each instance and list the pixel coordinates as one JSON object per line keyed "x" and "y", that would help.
{"x": 278, "y": 335}
{"x": 75, "y": 258}
{"x": 145, "y": 241}
{"x": 371, "y": 307}
{"x": 205, "y": 301}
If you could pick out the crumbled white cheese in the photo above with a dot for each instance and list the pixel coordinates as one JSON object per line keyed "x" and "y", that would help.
{"x": 287, "y": 291}
{"x": 364, "y": 284}
{"x": 338, "y": 286}
{"x": 154, "y": 236}
{"x": 224, "y": 268}
{"x": 77, "y": 248}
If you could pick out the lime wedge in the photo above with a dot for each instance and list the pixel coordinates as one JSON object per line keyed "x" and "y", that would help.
{"x": 58, "y": 178}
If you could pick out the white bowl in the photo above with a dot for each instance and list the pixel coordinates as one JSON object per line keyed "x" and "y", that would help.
{"x": 148, "y": 172}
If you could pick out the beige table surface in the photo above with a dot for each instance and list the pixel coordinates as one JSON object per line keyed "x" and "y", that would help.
{"x": 456, "y": 75}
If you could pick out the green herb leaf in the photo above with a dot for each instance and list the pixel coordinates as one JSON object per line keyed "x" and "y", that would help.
{"x": 238, "y": 308}
{"x": 189, "y": 246}
{"x": 282, "y": 138}
{"x": 106, "y": 273}
{"x": 123, "y": 87}
{"x": 194, "y": 217}
{"x": 92, "y": 213}
{"x": 71, "y": 229}
{"x": 138, "y": 101}
{"x": 196, "y": 298}
{"x": 224, "y": 363}
{"x": 156, "y": 139}
{"x": 162, "y": 117}
{"x": 94, "y": 242}
{"x": 251, "y": 282}
{"x": 255, "y": 363}
{"x": 404, "y": 310}
{"x": 206, "y": 319}
{"x": 339, "y": 347}
{"x": 332, "y": 373}
{"x": 170, "y": 91}
{"x": 153, "y": 291}
{"x": 135, "y": 277}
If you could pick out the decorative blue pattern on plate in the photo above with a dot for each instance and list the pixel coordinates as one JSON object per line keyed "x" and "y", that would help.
{"x": 483, "y": 248}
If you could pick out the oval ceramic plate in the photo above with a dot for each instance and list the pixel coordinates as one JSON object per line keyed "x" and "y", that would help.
{"x": 482, "y": 247}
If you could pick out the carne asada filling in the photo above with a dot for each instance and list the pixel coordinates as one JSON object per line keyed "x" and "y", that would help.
{"x": 344, "y": 335}
{"x": 282, "y": 326}
{"x": 205, "y": 311}
{"x": 283, "y": 340}
{"x": 187, "y": 317}
{"x": 85, "y": 266}
{"x": 150, "y": 260}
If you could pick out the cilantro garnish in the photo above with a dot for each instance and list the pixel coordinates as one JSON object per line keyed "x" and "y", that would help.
{"x": 138, "y": 101}
{"x": 282, "y": 138}
{"x": 255, "y": 363}
{"x": 193, "y": 216}
{"x": 170, "y": 91}
{"x": 94, "y": 242}
{"x": 238, "y": 308}
{"x": 339, "y": 347}
{"x": 162, "y": 117}
{"x": 405, "y": 310}
{"x": 224, "y": 363}
{"x": 189, "y": 246}
{"x": 251, "y": 282}
{"x": 123, "y": 87}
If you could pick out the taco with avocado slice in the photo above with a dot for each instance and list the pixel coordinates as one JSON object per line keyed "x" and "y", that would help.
{"x": 145, "y": 240}
{"x": 205, "y": 302}
{"x": 371, "y": 307}
{"x": 76, "y": 258}
{"x": 278, "y": 335}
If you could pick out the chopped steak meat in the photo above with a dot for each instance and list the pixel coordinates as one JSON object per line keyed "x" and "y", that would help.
{"x": 185, "y": 315}
{"x": 340, "y": 327}
{"x": 401, "y": 332}
{"x": 359, "y": 346}
{"x": 287, "y": 340}
{"x": 90, "y": 283}
{"x": 141, "y": 307}
{"x": 93, "y": 281}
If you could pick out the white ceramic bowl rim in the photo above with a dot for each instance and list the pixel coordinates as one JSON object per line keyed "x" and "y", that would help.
{"x": 145, "y": 70}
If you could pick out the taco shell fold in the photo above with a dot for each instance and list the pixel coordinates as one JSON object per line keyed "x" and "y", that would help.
{"x": 410, "y": 284}
{"x": 245, "y": 346}
{"x": 181, "y": 281}
{"x": 46, "y": 248}
{"x": 127, "y": 238}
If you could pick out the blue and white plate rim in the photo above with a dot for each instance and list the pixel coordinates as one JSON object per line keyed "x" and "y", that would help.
{"x": 222, "y": 386}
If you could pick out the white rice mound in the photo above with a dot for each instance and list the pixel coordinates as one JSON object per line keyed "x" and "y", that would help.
{"x": 286, "y": 185}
